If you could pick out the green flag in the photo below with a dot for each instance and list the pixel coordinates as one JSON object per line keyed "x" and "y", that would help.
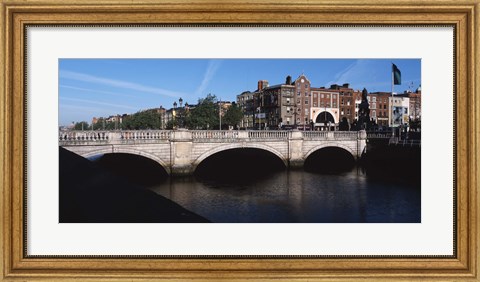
{"x": 397, "y": 75}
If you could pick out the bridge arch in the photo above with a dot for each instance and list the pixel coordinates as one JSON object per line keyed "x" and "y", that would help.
{"x": 129, "y": 151}
{"x": 238, "y": 146}
{"x": 330, "y": 144}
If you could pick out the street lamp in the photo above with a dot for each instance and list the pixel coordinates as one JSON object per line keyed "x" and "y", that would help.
{"x": 160, "y": 117}
{"x": 220, "y": 113}
{"x": 173, "y": 114}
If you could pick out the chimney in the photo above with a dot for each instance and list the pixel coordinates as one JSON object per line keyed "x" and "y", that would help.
{"x": 262, "y": 84}
{"x": 288, "y": 80}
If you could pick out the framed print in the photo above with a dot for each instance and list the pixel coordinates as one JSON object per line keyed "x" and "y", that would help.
{"x": 239, "y": 140}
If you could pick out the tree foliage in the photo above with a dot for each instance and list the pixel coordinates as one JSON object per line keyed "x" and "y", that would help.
{"x": 204, "y": 115}
{"x": 83, "y": 125}
{"x": 233, "y": 115}
{"x": 103, "y": 124}
{"x": 142, "y": 120}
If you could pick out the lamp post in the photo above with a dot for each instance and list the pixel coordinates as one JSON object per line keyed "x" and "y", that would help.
{"x": 160, "y": 117}
{"x": 173, "y": 113}
{"x": 180, "y": 113}
{"x": 220, "y": 113}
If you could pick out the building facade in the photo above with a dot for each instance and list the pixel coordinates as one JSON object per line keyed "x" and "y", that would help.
{"x": 245, "y": 102}
{"x": 298, "y": 104}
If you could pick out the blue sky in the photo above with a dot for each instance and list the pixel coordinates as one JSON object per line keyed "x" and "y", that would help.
{"x": 102, "y": 87}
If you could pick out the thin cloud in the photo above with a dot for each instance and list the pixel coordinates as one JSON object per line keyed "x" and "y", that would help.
{"x": 98, "y": 103}
{"x": 212, "y": 68}
{"x": 117, "y": 83}
{"x": 346, "y": 74}
{"x": 82, "y": 108}
{"x": 96, "y": 91}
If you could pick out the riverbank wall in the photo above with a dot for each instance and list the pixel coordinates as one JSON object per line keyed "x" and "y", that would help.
{"x": 392, "y": 159}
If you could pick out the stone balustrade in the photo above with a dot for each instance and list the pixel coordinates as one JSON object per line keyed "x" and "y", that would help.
{"x": 215, "y": 134}
{"x": 271, "y": 134}
{"x": 148, "y": 136}
{"x": 379, "y": 135}
{"x": 99, "y": 136}
{"x": 145, "y": 134}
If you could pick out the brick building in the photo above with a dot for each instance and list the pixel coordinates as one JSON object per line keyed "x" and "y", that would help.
{"x": 324, "y": 107}
{"x": 382, "y": 107}
{"x": 245, "y": 102}
{"x": 298, "y": 104}
{"x": 302, "y": 101}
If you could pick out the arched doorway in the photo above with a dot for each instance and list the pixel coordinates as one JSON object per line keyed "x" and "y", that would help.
{"x": 325, "y": 121}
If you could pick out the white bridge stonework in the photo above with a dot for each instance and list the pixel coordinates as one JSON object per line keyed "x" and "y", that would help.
{"x": 181, "y": 151}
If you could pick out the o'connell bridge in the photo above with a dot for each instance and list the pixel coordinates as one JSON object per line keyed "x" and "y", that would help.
{"x": 181, "y": 151}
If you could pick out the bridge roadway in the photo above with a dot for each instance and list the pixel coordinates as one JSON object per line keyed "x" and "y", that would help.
{"x": 181, "y": 151}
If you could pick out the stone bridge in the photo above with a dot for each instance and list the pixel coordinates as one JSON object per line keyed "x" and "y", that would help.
{"x": 179, "y": 152}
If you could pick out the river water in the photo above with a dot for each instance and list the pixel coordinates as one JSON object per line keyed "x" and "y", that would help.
{"x": 297, "y": 196}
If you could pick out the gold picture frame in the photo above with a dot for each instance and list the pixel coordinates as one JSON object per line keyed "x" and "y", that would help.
{"x": 17, "y": 14}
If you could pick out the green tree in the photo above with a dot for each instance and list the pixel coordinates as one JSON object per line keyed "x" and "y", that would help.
{"x": 142, "y": 120}
{"x": 83, "y": 125}
{"x": 204, "y": 115}
{"x": 100, "y": 124}
{"x": 233, "y": 115}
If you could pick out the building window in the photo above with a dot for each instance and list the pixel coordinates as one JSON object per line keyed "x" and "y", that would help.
{"x": 328, "y": 95}
{"x": 342, "y": 102}
{"x": 288, "y": 100}
{"x": 298, "y": 100}
{"x": 348, "y": 111}
{"x": 298, "y": 93}
{"x": 321, "y": 96}
{"x": 306, "y": 101}
{"x": 306, "y": 112}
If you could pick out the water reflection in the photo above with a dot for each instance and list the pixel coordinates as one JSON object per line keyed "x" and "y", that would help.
{"x": 297, "y": 196}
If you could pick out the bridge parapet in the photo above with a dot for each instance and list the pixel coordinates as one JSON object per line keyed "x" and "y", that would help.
{"x": 75, "y": 137}
{"x": 212, "y": 135}
{"x": 274, "y": 134}
{"x": 332, "y": 135}
{"x": 145, "y": 134}
{"x": 72, "y": 137}
{"x": 151, "y": 136}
